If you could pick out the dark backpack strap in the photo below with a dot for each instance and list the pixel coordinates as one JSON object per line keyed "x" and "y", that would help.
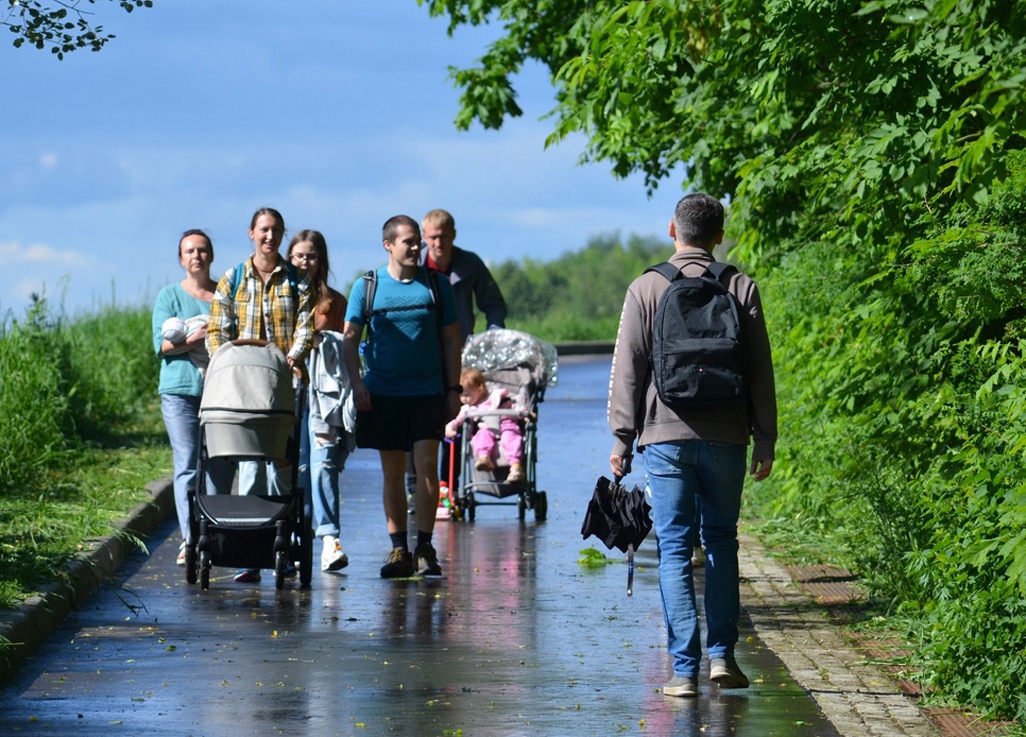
{"x": 668, "y": 270}
{"x": 720, "y": 269}
{"x": 370, "y": 286}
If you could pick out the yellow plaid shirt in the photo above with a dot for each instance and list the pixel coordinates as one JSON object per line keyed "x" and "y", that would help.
{"x": 263, "y": 311}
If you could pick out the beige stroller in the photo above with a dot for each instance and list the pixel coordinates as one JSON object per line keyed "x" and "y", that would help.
{"x": 249, "y": 411}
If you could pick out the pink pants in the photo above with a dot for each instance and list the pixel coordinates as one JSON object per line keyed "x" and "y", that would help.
{"x": 512, "y": 441}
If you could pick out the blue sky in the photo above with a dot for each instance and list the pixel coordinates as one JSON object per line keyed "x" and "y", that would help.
{"x": 336, "y": 112}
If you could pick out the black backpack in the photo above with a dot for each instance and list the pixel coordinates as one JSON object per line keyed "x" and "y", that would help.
{"x": 696, "y": 346}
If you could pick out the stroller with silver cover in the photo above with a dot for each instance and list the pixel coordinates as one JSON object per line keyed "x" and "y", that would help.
{"x": 524, "y": 366}
{"x": 249, "y": 411}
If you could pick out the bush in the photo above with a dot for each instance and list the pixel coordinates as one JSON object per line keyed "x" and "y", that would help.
{"x": 903, "y": 418}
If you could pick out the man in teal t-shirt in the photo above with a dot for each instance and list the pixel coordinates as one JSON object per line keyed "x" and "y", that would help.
{"x": 410, "y": 389}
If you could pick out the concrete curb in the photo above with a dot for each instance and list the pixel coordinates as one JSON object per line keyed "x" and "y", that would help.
{"x": 858, "y": 699}
{"x": 28, "y": 626}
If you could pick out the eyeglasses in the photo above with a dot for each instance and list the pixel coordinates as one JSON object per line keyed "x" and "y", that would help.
{"x": 307, "y": 257}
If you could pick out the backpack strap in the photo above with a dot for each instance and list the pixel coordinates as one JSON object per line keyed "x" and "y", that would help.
{"x": 291, "y": 273}
{"x": 668, "y": 270}
{"x": 718, "y": 269}
{"x": 370, "y": 286}
{"x": 237, "y": 277}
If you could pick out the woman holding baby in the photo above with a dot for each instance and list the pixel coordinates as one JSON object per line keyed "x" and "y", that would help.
{"x": 180, "y": 314}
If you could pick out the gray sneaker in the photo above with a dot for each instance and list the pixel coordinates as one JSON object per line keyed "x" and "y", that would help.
{"x": 725, "y": 673}
{"x": 427, "y": 561}
{"x": 398, "y": 565}
{"x": 683, "y": 686}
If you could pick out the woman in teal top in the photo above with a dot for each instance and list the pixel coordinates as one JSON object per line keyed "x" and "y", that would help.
{"x": 179, "y": 333}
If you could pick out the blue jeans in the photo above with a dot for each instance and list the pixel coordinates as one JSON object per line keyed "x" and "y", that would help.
{"x": 320, "y": 464}
{"x": 715, "y": 472}
{"x": 181, "y": 418}
{"x": 263, "y": 477}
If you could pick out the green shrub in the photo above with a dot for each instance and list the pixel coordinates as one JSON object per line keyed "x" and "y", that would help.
{"x": 903, "y": 420}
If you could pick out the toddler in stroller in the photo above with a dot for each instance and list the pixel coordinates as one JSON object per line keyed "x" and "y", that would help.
{"x": 477, "y": 399}
{"x": 516, "y": 368}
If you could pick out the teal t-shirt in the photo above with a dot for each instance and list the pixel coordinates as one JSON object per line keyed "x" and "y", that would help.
{"x": 403, "y": 352}
{"x": 178, "y": 374}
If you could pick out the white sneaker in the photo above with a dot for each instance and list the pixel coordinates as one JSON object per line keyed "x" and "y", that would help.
{"x": 332, "y": 557}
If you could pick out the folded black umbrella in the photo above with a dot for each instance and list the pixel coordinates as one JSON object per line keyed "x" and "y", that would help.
{"x": 616, "y": 516}
{"x": 619, "y": 518}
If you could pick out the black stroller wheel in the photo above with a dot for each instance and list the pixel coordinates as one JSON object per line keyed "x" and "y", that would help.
{"x": 279, "y": 569}
{"x": 541, "y": 506}
{"x": 204, "y": 566}
{"x": 521, "y": 507}
{"x": 190, "y": 564}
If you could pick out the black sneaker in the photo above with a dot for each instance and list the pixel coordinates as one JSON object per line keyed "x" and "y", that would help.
{"x": 398, "y": 565}
{"x": 427, "y": 561}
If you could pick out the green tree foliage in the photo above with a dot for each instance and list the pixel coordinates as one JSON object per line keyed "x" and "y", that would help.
{"x": 61, "y": 26}
{"x": 871, "y": 153}
{"x": 577, "y": 296}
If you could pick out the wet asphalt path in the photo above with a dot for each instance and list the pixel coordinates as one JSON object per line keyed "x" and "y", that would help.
{"x": 517, "y": 639}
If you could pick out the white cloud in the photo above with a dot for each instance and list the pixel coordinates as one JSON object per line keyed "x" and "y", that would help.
{"x": 38, "y": 254}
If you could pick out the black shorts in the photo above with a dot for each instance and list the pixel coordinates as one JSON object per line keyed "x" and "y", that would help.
{"x": 396, "y": 423}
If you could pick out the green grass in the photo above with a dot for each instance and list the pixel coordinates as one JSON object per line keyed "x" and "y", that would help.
{"x": 43, "y": 531}
{"x": 82, "y": 436}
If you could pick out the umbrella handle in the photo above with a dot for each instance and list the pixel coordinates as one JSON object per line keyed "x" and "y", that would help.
{"x": 630, "y": 570}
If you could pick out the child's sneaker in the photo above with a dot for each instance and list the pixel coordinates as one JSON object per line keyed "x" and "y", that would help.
{"x": 516, "y": 474}
{"x": 332, "y": 557}
{"x": 484, "y": 463}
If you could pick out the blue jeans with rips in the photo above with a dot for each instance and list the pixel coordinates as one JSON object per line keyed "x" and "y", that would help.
{"x": 677, "y": 474}
{"x": 320, "y": 463}
{"x": 181, "y": 418}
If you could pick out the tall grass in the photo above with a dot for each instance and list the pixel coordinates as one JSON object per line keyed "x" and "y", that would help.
{"x": 35, "y": 400}
{"x": 73, "y": 393}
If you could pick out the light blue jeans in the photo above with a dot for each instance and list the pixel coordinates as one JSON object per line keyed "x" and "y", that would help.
{"x": 263, "y": 477}
{"x": 319, "y": 467}
{"x": 181, "y": 418}
{"x": 715, "y": 472}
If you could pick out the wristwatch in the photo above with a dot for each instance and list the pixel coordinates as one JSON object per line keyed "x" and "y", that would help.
{"x": 458, "y": 388}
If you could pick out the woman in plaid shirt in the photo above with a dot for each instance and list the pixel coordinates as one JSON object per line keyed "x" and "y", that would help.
{"x": 271, "y": 301}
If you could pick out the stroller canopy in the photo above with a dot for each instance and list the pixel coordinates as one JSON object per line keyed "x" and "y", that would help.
{"x": 500, "y": 350}
{"x": 249, "y": 403}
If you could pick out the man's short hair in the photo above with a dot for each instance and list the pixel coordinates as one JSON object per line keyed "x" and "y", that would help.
{"x": 392, "y": 225}
{"x": 441, "y": 218}
{"x": 698, "y": 219}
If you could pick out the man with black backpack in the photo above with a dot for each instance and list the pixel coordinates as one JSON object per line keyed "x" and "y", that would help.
{"x": 691, "y": 384}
